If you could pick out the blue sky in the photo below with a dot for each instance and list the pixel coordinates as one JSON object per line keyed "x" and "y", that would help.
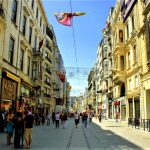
{"x": 87, "y": 31}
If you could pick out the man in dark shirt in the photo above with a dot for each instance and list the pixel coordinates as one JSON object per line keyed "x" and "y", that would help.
{"x": 29, "y": 120}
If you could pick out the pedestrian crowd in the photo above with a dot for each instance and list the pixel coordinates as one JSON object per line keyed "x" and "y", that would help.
{"x": 18, "y": 126}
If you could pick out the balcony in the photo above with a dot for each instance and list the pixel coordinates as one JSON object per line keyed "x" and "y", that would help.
{"x": 37, "y": 54}
{"x": 119, "y": 76}
{"x": 146, "y": 4}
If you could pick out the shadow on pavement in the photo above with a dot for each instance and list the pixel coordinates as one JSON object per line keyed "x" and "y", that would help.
{"x": 107, "y": 139}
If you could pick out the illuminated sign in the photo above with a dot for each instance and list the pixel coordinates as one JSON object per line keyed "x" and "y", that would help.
{"x": 126, "y": 8}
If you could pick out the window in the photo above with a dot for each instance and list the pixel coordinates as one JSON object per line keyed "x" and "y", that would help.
{"x": 127, "y": 30}
{"x": 134, "y": 53}
{"x": 40, "y": 21}
{"x": 43, "y": 28}
{"x": 35, "y": 41}
{"x": 129, "y": 60}
{"x": 11, "y": 50}
{"x": 37, "y": 13}
{"x": 122, "y": 62}
{"x": 14, "y": 11}
{"x": 24, "y": 25}
{"x": 21, "y": 59}
{"x": 32, "y": 5}
{"x": 28, "y": 66}
{"x": 34, "y": 66}
{"x": 132, "y": 23}
{"x": 120, "y": 36}
{"x": 30, "y": 34}
{"x": 130, "y": 85}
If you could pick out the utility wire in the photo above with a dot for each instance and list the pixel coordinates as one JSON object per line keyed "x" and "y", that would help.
{"x": 75, "y": 48}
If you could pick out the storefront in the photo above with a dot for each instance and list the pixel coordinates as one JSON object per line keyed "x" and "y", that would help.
{"x": 25, "y": 95}
{"x": 9, "y": 90}
{"x": 134, "y": 107}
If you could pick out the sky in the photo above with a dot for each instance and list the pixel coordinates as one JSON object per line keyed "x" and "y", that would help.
{"x": 87, "y": 31}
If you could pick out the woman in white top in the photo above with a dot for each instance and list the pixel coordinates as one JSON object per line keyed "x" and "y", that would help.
{"x": 76, "y": 117}
{"x": 57, "y": 118}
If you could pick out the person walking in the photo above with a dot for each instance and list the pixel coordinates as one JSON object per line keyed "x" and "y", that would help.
{"x": 10, "y": 126}
{"x": 53, "y": 117}
{"x": 29, "y": 120}
{"x": 2, "y": 120}
{"x": 76, "y": 117}
{"x": 48, "y": 118}
{"x": 85, "y": 116}
{"x": 57, "y": 118}
{"x": 64, "y": 120}
{"x": 100, "y": 116}
{"x": 18, "y": 128}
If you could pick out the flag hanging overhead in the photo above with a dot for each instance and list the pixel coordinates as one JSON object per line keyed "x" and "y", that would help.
{"x": 65, "y": 18}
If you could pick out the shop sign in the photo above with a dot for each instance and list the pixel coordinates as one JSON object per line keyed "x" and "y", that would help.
{"x": 9, "y": 89}
{"x": 126, "y": 8}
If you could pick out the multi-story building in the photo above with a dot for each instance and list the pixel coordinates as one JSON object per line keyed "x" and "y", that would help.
{"x": 132, "y": 47}
{"x": 119, "y": 70}
{"x": 144, "y": 37}
{"x": 27, "y": 43}
{"x": 109, "y": 72}
{"x": 91, "y": 89}
{"x": 99, "y": 76}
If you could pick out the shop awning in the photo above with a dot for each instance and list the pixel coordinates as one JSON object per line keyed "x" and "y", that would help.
{"x": 12, "y": 76}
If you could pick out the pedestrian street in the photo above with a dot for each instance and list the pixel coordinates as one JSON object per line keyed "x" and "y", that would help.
{"x": 95, "y": 137}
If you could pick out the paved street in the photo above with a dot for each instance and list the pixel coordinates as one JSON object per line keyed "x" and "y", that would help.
{"x": 107, "y": 135}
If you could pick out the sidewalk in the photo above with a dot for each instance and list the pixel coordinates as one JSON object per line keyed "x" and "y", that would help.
{"x": 137, "y": 136}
